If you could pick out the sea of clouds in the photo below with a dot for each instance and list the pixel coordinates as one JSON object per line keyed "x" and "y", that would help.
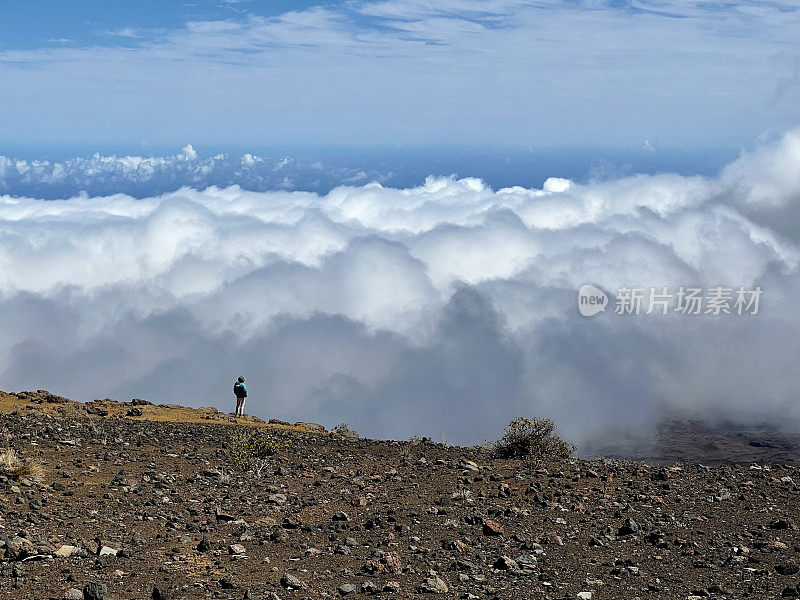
{"x": 444, "y": 308}
{"x": 142, "y": 176}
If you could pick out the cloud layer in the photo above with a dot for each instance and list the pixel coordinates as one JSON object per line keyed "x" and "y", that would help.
{"x": 587, "y": 72}
{"x": 448, "y": 307}
{"x": 142, "y": 176}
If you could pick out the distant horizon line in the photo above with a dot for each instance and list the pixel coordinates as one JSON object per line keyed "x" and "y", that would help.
{"x": 93, "y": 147}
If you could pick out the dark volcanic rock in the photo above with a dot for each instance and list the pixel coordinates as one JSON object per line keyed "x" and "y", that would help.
{"x": 329, "y": 516}
{"x": 94, "y": 591}
{"x": 628, "y": 527}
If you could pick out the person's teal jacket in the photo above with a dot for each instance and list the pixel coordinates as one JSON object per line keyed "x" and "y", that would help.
{"x": 240, "y": 389}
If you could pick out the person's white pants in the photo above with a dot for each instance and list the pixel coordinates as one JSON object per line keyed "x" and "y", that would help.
{"x": 240, "y": 406}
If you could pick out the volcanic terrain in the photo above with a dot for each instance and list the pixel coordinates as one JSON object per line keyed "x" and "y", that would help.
{"x": 132, "y": 500}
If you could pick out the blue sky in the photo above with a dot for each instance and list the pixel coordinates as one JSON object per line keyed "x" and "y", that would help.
{"x": 537, "y": 73}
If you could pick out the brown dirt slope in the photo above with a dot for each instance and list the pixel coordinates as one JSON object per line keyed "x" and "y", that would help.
{"x": 43, "y": 402}
{"x": 152, "y": 506}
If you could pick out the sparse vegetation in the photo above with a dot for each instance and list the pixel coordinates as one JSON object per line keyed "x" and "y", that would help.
{"x": 11, "y": 464}
{"x": 531, "y": 439}
{"x": 251, "y": 449}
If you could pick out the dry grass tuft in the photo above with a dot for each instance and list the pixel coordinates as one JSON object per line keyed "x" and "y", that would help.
{"x": 32, "y": 470}
{"x": 11, "y": 464}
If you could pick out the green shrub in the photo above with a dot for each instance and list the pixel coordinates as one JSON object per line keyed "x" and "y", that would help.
{"x": 533, "y": 439}
{"x": 251, "y": 449}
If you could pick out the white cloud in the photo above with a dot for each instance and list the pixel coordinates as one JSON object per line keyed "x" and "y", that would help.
{"x": 125, "y": 32}
{"x": 144, "y": 176}
{"x": 447, "y": 306}
{"x": 423, "y": 72}
{"x": 188, "y": 153}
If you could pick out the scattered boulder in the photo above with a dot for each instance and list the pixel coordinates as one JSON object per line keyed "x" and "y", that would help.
{"x": 94, "y": 590}
{"x": 506, "y": 563}
{"x": 163, "y": 593}
{"x": 491, "y": 528}
{"x": 628, "y": 527}
{"x": 291, "y": 582}
{"x": 17, "y": 548}
{"x": 347, "y": 588}
{"x": 434, "y": 585}
{"x": 787, "y": 569}
{"x": 66, "y": 550}
{"x": 236, "y": 549}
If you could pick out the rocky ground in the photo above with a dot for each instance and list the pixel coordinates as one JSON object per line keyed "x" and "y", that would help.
{"x": 140, "y": 501}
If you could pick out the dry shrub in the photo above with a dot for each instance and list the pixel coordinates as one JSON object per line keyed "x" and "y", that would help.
{"x": 531, "y": 439}
{"x": 251, "y": 450}
{"x": 10, "y": 464}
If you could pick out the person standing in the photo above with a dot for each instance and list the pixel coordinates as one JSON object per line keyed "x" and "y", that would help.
{"x": 240, "y": 391}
